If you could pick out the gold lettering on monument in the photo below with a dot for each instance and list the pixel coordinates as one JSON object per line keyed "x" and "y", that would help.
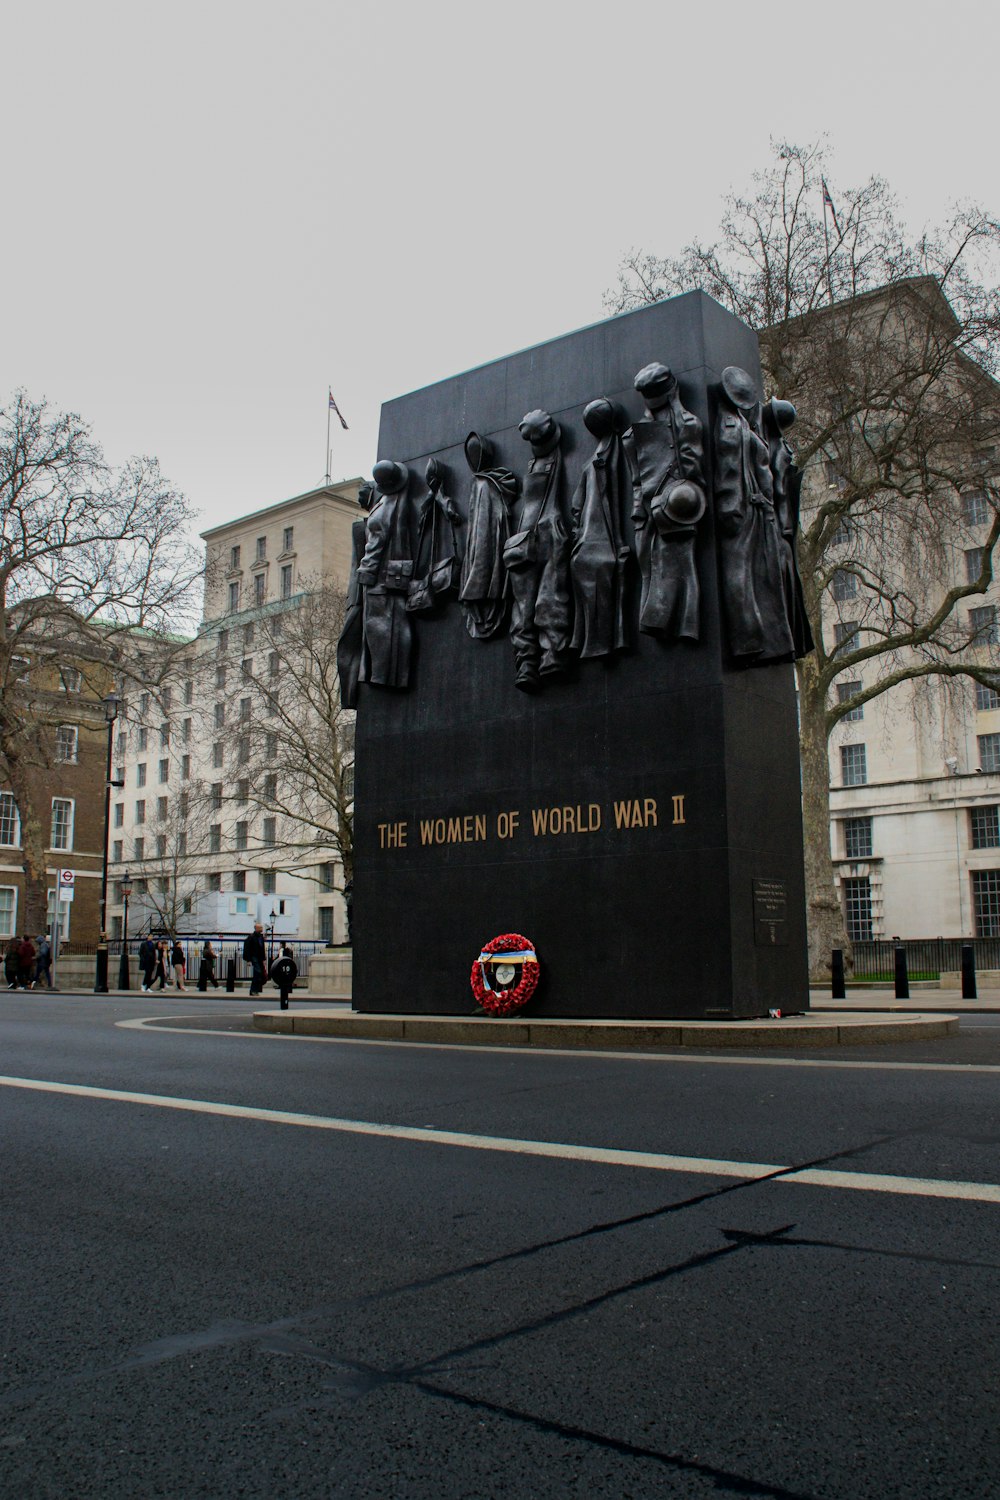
{"x": 556, "y": 821}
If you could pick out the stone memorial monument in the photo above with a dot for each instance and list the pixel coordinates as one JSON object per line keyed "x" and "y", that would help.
{"x": 615, "y": 786}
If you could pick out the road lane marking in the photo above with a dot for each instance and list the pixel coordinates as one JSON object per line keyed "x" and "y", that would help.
{"x": 919, "y": 1187}
{"x": 739, "y": 1060}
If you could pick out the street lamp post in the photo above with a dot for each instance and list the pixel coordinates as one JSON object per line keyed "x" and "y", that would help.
{"x": 270, "y": 956}
{"x": 123, "y": 983}
{"x": 110, "y": 703}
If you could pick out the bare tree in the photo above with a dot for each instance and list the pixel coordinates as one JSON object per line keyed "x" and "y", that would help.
{"x": 290, "y": 740}
{"x": 87, "y": 553}
{"x": 888, "y": 346}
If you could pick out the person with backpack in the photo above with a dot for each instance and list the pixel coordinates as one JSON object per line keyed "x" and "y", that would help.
{"x": 284, "y": 972}
{"x": 43, "y": 963}
{"x": 147, "y": 963}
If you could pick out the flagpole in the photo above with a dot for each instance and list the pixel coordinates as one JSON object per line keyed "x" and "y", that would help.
{"x": 328, "y": 426}
{"x": 826, "y": 237}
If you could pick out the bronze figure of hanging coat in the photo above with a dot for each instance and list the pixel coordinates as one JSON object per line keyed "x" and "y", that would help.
{"x": 385, "y": 573}
{"x": 351, "y": 645}
{"x": 601, "y": 555}
{"x": 483, "y": 588}
{"x": 761, "y": 593}
{"x": 436, "y": 555}
{"x": 786, "y": 476}
{"x": 665, "y": 451}
{"x": 537, "y": 562}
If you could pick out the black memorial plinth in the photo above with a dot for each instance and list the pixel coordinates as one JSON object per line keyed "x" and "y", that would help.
{"x": 640, "y": 820}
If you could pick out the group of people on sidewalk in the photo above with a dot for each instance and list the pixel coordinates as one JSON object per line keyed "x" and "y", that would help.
{"x": 162, "y": 959}
{"x": 24, "y": 965}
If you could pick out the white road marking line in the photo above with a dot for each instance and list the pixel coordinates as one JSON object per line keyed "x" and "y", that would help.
{"x": 919, "y": 1187}
{"x": 722, "y": 1059}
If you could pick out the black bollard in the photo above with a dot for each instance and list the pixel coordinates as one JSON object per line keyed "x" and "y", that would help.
{"x": 101, "y": 969}
{"x": 203, "y": 976}
{"x": 902, "y": 979}
{"x": 838, "y": 989}
{"x": 968, "y": 972}
{"x": 230, "y": 976}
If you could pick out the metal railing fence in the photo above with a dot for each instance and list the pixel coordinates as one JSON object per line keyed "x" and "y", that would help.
{"x": 875, "y": 959}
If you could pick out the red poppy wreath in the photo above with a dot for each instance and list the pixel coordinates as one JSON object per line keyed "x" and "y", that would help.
{"x": 495, "y": 969}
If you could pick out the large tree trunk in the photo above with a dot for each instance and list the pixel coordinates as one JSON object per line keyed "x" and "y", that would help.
{"x": 32, "y": 917}
{"x": 824, "y": 916}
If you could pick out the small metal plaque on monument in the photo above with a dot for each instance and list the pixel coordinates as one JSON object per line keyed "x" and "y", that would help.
{"x": 574, "y": 604}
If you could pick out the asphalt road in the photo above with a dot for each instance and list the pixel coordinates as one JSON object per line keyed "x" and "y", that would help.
{"x": 396, "y": 1271}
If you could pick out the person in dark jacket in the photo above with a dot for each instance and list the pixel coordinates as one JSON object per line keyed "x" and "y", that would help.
{"x": 178, "y": 964}
{"x": 206, "y": 971}
{"x": 11, "y": 963}
{"x": 43, "y": 963}
{"x": 147, "y": 962}
{"x": 26, "y": 962}
{"x": 284, "y": 972}
{"x": 255, "y": 954}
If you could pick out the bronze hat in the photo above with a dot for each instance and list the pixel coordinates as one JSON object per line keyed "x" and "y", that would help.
{"x": 740, "y": 387}
{"x": 783, "y": 414}
{"x": 654, "y": 380}
{"x": 391, "y": 477}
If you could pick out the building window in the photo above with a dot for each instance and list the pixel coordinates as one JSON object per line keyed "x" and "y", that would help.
{"x": 234, "y": 557}
{"x": 261, "y": 548}
{"x": 119, "y": 816}
{"x": 186, "y": 904}
{"x": 164, "y": 736}
{"x": 271, "y": 746}
{"x": 243, "y": 790}
{"x": 164, "y": 770}
{"x": 975, "y": 508}
{"x": 242, "y": 906}
{"x": 223, "y": 641}
{"x": 119, "y": 775}
{"x": 248, "y": 633}
{"x": 327, "y": 874}
{"x": 62, "y": 823}
{"x": 241, "y": 835}
{"x": 216, "y": 799}
{"x": 140, "y": 810}
{"x": 854, "y": 765}
{"x": 8, "y": 910}
{"x": 844, "y": 585}
{"x": 858, "y": 908}
{"x": 246, "y": 669}
{"x": 182, "y": 805}
{"x": 120, "y": 743}
{"x": 270, "y": 833}
{"x": 270, "y": 787}
{"x": 220, "y": 677}
{"x": 288, "y": 539}
{"x": 326, "y": 924}
{"x": 243, "y": 750}
{"x": 189, "y": 691}
{"x": 66, "y": 742}
{"x": 834, "y": 478}
{"x": 161, "y": 809}
{"x": 234, "y": 598}
{"x": 186, "y": 732}
{"x": 857, "y": 838}
{"x": 161, "y": 846}
{"x": 9, "y": 831}
{"x": 71, "y": 679}
{"x": 846, "y": 690}
{"x": 217, "y": 755}
{"x": 117, "y": 852}
{"x": 144, "y": 704}
{"x": 244, "y": 708}
{"x": 272, "y": 664}
{"x": 185, "y": 767}
{"x": 286, "y": 581}
{"x": 215, "y": 838}
{"x": 143, "y": 738}
{"x": 983, "y": 624}
{"x": 989, "y": 751}
{"x": 259, "y": 589}
{"x": 239, "y": 880}
{"x": 984, "y": 827}
{"x": 987, "y": 698}
{"x": 220, "y": 715}
{"x": 845, "y": 635}
{"x": 986, "y": 902}
{"x": 140, "y": 774}
{"x": 65, "y": 914}
{"x": 139, "y": 849}
{"x": 973, "y": 563}
{"x": 165, "y": 698}
{"x": 215, "y": 881}
{"x": 268, "y": 882}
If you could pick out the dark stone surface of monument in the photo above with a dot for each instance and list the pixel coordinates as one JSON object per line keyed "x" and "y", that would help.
{"x": 639, "y": 819}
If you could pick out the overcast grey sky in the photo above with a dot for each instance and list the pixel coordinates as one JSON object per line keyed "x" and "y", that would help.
{"x": 214, "y": 211}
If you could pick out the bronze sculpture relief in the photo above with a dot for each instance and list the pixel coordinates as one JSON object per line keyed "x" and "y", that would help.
{"x": 537, "y": 561}
{"x": 483, "y": 587}
{"x": 351, "y": 645}
{"x": 436, "y": 555}
{"x": 385, "y": 572}
{"x": 761, "y": 592}
{"x": 600, "y": 558}
{"x": 665, "y": 451}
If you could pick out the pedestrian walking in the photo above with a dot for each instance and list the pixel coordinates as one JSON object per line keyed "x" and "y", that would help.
{"x": 162, "y": 963}
{"x": 26, "y": 955}
{"x": 147, "y": 962}
{"x": 11, "y": 962}
{"x": 206, "y": 970}
{"x": 255, "y": 954}
{"x": 284, "y": 972}
{"x": 178, "y": 964}
{"x": 43, "y": 963}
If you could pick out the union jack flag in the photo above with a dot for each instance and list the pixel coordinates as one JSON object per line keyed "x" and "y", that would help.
{"x": 336, "y": 408}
